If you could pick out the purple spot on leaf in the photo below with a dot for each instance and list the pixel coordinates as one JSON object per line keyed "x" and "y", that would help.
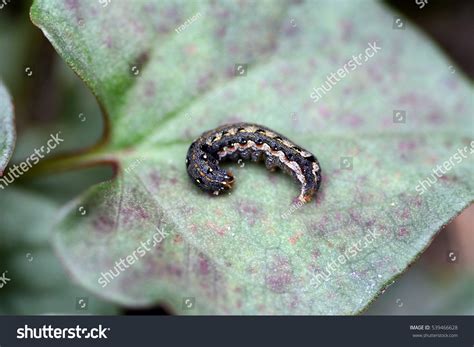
{"x": 249, "y": 211}
{"x": 103, "y": 223}
{"x": 203, "y": 265}
{"x": 155, "y": 179}
{"x": 279, "y": 274}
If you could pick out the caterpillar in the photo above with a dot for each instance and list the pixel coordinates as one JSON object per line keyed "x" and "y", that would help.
{"x": 249, "y": 142}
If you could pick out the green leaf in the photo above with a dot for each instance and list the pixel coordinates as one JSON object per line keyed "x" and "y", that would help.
{"x": 7, "y": 128}
{"x": 37, "y": 282}
{"x": 162, "y": 85}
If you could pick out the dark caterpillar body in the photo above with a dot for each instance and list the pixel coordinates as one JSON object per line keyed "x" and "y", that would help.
{"x": 249, "y": 142}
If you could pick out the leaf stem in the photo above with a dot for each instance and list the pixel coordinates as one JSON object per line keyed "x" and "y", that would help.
{"x": 68, "y": 162}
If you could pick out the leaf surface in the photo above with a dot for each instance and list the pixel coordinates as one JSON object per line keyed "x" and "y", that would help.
{"x": 164, "y": 73}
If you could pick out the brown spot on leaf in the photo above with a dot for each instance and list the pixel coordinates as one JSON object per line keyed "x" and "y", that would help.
{"x": 294, "y": 238}
{"x": 216, "y": 228}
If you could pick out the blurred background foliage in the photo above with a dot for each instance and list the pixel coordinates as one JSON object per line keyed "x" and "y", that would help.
{"x": 54, "y": 99}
